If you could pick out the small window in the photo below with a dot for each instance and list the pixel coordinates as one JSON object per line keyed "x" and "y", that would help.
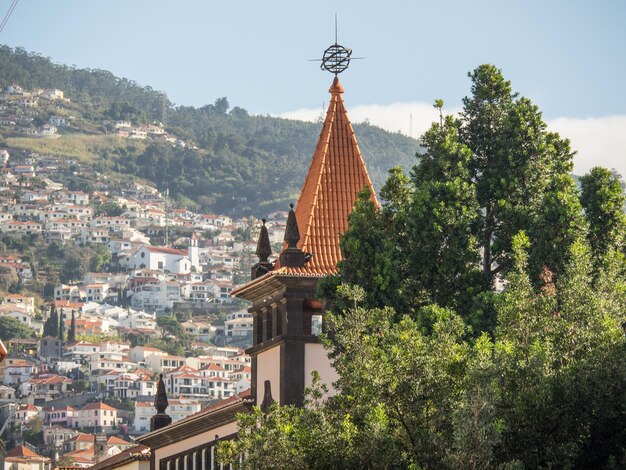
{"x": 316, "y": 325}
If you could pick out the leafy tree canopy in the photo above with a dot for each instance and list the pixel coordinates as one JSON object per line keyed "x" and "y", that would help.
{"x": 477, "y": 320}
{"x": 11, "y": 328}
{"x": 544, "y": 391}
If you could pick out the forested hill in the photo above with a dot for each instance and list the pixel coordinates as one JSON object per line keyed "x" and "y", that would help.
{"x": 237, "y": 163}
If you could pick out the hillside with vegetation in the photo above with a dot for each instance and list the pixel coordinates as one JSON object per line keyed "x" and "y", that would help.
{"x": 224, "y": 159}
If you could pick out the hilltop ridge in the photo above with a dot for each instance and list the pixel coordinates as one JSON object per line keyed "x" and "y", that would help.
{"x": 214, "y": 158}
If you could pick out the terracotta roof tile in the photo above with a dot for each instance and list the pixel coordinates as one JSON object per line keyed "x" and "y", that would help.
{"x": 166, "y": 250}
{"x": 21, "y": 451}
{"x": 116, "y": 440}
{"x": 139, "y": 452}
{"x": 337, "y": 173}
{"x": 98, "y": 406}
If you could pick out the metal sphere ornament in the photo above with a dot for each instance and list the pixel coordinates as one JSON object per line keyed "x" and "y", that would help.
{"x": 336, "y": 59}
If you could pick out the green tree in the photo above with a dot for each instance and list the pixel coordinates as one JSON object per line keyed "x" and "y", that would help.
{"x": 8, "y": 278}
{"x": 109, "y": 209}
{"x": 73, "y": 269}
{"x": 62, "y": 326}
{"x": 51, "y": 325}
{"x": 440, "y": 246}
{"x": 71, "y": 335}
{"x": 544, "y": 391}
{"x": 80, "y": 386}
{"x": 444, "y": 235}
{"x": 33, "y": 434}
{"x": 11, "y": 328}
{"x": 602, "y": 197}
{"x": 558, "y": 224}
{"x": 174, "y": 348}
{"x": 170, "y": 327}
{"x": 101, "y": 259}
{"x": 368, "y": 255}
{"x": 65, "y": 461}
{"x": 554, "y": 352}
{"x": 241, "y": 273}
{"x": 514, "y": 158}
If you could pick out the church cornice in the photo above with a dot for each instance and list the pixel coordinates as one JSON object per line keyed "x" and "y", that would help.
{"x": 203, "y": 421}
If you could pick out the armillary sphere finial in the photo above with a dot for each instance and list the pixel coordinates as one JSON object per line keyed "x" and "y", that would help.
{"x": 336, "y": 58}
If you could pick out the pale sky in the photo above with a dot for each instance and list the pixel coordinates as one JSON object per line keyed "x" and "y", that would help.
{"x": 566, "y": 55}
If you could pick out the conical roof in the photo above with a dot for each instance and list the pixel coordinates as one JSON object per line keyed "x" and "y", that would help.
{"x": 337, "y": 173}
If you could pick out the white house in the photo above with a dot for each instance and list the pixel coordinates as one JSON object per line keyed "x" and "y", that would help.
{"x": 156, "y": 297}
{"x": 95, "y": 415}
{"x": 93, "y": 235}
{"x": 159, "y": 363}
{"x": 112, "y": 224}
{"x": 65, "y": 292}
{"x": 200, "y": 331}
{"x": 74, "y": 197}
{"x": 97, "y": 292}
{"x": 17, "y": 371}
{"x": 25, "y": 413}
{"x": 161, "y": 258}
{"x": 177, "y": 410}
{"x": 140, "y": 354}
{"x": 238, "y": 325}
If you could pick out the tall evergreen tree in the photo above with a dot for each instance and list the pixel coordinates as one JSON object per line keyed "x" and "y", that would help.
{"x": 513, "y": 160}
{"x": 51, "y": 325}
{"x": 61, "y": 326}
{"x": 603, "y": 200}
{"x": 558, "y": 223}
{"x": 440, "y": 247}
{"x": 71, "y": 335}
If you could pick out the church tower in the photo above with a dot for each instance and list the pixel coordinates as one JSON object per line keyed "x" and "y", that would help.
{"x": 192, "y": 251}
{"x": 287, "y": 314}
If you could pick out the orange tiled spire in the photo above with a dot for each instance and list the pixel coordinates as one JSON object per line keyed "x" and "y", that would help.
{"x": 337, "y": 173}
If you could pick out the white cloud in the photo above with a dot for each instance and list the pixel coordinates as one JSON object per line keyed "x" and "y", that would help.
{"x": 411, "y": 118}
{"x": 599, "y": 141}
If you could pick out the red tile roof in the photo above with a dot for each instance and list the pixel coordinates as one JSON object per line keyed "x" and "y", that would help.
{"x": 139, "y": 452}
{"x": 336, "y": 175}
{"x": 68, "y": 304}
{"x": 28, "y": 407}
{"x": 113, "y": 440}
{"x": 165, "y": 250}
{"x": 21, "y": 451}
{"x": 98, "y": 406}
{"x": 82, "y": 437}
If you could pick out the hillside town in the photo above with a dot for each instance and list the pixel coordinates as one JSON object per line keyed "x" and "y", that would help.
{"x": 79, "y": 380}
{"x": 47, "y": 113}
{"x": 407, "y": 253}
